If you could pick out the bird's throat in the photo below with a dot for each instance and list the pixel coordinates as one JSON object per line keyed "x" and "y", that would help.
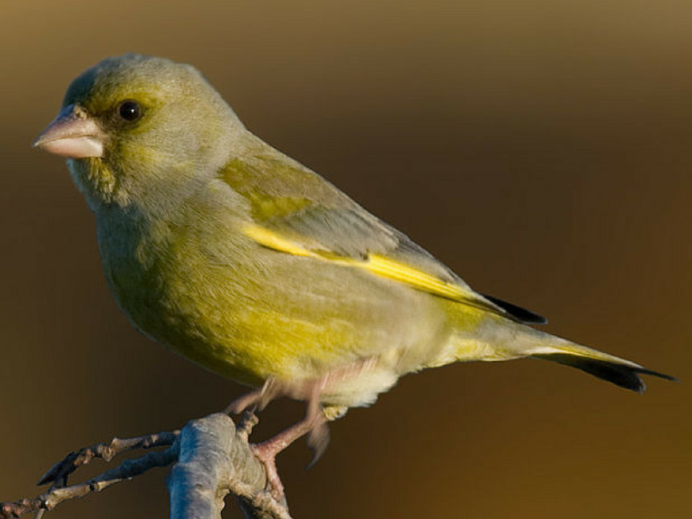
{"x": 96, "y": 181}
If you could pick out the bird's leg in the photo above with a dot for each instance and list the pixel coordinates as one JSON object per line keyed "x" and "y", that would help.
{"x": 307, "y": 390}
{"x": 257, "y": 399}
{"x": 314, "y": 425}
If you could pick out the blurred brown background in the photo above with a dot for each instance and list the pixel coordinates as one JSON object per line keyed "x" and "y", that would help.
{"x": 542, "y": 149}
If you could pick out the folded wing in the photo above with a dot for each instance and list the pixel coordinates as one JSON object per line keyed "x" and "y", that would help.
{"x": 295, "y": 211}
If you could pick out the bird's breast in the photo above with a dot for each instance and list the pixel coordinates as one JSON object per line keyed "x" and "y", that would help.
{"x": 162, "y": 279}
{"x": 246, "y": 312}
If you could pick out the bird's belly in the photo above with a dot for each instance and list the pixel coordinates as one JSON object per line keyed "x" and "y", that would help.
{"x": 172, "y": 307}
{"x": 285, "y": 319}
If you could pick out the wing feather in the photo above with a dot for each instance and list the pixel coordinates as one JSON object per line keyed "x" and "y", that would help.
{"x": 295, "y": 211}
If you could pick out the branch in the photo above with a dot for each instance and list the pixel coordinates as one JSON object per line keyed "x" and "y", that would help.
{"x": 127, "y": 470}
{"x": 106, "y": 452}
{"x": 216, "y": 460}
{"x": 213, "y": 460}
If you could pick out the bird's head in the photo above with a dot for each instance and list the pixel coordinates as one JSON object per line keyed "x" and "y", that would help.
{"x": 134, "y": 126}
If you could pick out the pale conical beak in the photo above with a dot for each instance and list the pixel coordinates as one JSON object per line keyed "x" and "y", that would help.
{"x": 72, "y": 134}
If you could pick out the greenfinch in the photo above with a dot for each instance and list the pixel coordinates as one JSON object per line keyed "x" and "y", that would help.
{"x": 249, "y": 264}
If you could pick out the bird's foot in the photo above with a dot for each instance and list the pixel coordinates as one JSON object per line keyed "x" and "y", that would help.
{"x": 268, "y": 459}
{"x": 314, "y": 425}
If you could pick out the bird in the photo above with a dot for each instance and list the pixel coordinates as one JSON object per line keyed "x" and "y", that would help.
{"x": 242, "y": 260}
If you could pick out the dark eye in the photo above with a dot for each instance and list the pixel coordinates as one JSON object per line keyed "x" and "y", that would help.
{"x": 130, "y": 110}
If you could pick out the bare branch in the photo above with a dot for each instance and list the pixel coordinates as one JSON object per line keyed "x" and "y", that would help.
{"x": 58, "y": 474}
{"x": 127, "y": 470}
{"x": 216, "y": 460}
{"x": 105, "y": 451}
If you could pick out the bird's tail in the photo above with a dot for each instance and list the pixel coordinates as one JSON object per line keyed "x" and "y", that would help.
{"x": 621, "y": 372}
{"x": 522, "y": 341}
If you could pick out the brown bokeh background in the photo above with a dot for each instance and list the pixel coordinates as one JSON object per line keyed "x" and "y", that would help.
{"x": 542, "y": 149}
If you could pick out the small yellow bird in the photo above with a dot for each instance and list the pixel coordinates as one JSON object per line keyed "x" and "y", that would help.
{"x": 249, "y": 264}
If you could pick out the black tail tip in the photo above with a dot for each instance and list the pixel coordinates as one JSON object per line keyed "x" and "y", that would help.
{"x": 619, "y": 374}
{"x": 643, "y": 371}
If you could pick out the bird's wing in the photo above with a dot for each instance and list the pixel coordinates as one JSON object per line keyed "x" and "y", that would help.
{"x": 295, "y": 211}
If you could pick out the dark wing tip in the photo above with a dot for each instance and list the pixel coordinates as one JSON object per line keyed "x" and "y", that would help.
{"x": 519, "y": 313}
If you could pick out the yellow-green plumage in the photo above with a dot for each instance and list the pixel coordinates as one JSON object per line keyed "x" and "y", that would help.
{"x": 249, "y": 264}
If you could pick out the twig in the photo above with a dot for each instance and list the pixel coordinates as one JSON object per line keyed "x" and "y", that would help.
{"x": 58, "y": 474}
{"x": 213, "y": 459}
{"x": 57, "y": 483}
{"x": 127, "y": 470}
{"x": 105, "y": 451}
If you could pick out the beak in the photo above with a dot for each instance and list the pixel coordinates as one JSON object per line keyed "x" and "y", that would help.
{"x": 73, "y": 134}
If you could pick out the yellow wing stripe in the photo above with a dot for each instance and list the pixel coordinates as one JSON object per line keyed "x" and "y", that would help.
{"x": 376, "y": 264}
{"x": 271, "y": 240}
{"x": 386, "y": 267}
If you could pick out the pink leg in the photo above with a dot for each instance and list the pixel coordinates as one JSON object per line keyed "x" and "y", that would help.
{"x": 266, "y": 451}
{"x": 258, "y": 399}
{"x": 314, "y": 424}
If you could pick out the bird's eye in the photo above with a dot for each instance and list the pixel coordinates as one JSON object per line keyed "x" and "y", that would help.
{"x": 130, "y": 110}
